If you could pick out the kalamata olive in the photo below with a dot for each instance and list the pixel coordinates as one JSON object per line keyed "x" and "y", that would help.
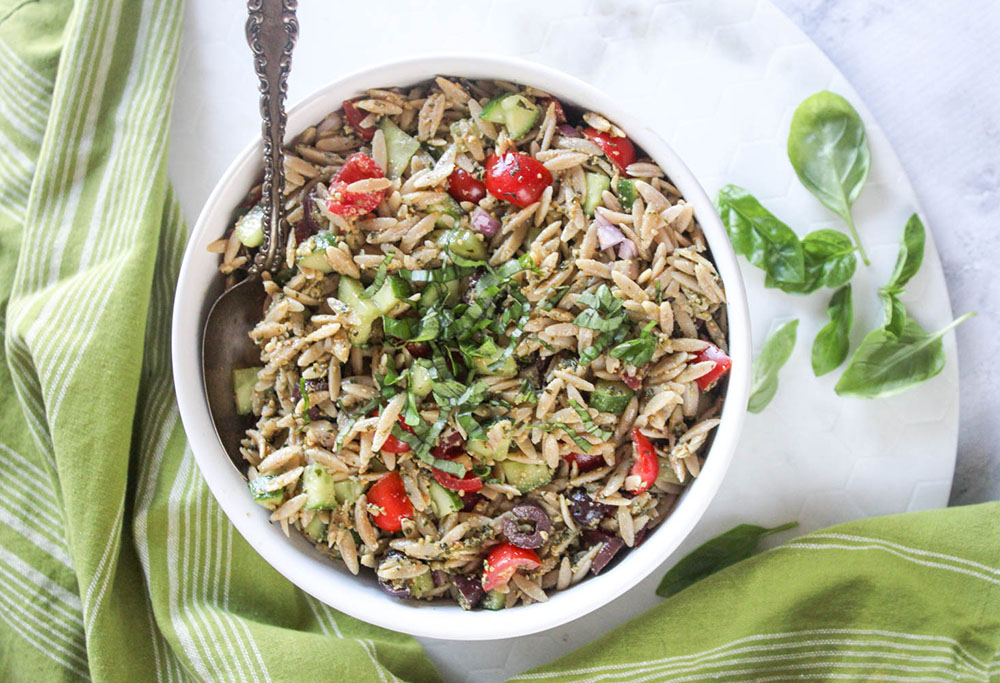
{"x": 418, "y": 349}
{"x": 397, "y": 589}
{"x": 449, "y": 446}
{"x": 470, "y": 285}
{"x": 469, "y": 500}
{"x": 470, "y": 590}
{"x": 314, "y": 385}
{"x": 610, "y": 545}
{"x": 527, "y": 526}
{"x": 438, "y": 577}
{"x": 308, "y": 226}
{"x": 585, "y": 510}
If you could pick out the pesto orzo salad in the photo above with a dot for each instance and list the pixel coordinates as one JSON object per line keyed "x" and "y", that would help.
{"x": 494, "y": 356}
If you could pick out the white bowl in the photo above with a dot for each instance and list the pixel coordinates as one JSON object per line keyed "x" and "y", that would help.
{"x": 295, "y": 557}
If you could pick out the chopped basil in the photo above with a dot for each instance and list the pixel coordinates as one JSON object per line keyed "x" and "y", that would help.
{"x": 379, "y": 280}
{"x": 638, "y": 351}
{"x": 588, "y": 422}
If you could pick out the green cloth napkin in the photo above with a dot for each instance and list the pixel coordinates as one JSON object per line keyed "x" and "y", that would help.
{"x": 116, "y": 563}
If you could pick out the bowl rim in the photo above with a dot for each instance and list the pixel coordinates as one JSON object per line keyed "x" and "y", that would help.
{"x": 319, "y": 577}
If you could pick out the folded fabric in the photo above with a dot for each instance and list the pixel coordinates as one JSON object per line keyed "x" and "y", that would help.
{"x": 117, "y": 564}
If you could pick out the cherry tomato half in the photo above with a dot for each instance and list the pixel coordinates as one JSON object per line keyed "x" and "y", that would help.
{"x": 584, "y": 461}
{"x": 516, "y": 177}
{"x": 354, "y": 118}
{"x": 647, "y": 465}
{"x": 394, "y": 445}
{"x": 621, "y": 151}
{"x": 504, "y": 561}
{"x": 722, "y": 365}
{"x": 470, "y": 482}
{"x": 357, "y": 167}
{"x": 465, "y": 187}
{"x": 389, "y": 494}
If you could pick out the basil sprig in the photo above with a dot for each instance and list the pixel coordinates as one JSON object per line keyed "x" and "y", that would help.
{"x": 829, "y": 262}
{"x": 724, "y": 550}
{"x": 829, "y": 151}
{"x": 900, "y": 354}
{"x": 773, "y": 355}
{"x": 832, "y": 343}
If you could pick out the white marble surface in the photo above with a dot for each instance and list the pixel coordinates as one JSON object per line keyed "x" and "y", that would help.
{"x": 928, "y": 70}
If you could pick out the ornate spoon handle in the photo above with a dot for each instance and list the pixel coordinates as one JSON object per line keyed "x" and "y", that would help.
{"x": 271, "y": 32}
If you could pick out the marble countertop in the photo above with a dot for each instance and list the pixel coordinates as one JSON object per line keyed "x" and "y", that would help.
{"x": 927, "y": 70}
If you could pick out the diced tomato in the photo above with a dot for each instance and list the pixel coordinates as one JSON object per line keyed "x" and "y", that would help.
{"x": 418, "y": 349}
{"x": 389, "y": 494}
{"x": 560, "y": 114}
{"x": 584, "y": 461}
{"x": 465, "y": 187}
{"x": 631, "y": 381}
{"x": 470, "y": 482}
{"x": 621, "y": 151}
{"x": 394, "y": 445}
{"x": 504, "y": 561}
{"x": 516, "y": 177}
{"x": 449, "y": 447}
{"x": 357, "y": 167}
{"x": 722, "y": 365}
{"x": 354, "y": 118}
{"x": 647, "y": 465}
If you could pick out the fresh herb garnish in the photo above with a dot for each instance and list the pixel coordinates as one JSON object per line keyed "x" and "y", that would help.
{"x": 829, "y": 262}
{"x": 773, "y": 355}
{"x": 380, "y": 275}
{"x": 911, "y": 255}
{"x": 640, "y": 350}
{"x": 305, "y": 399}
{"x": 832, "y": 343}
{"x": 581, "y": 443}
{"x": 828, "y": 149}
{"x": 603, "y": 313}
{"x": 588, "y": 422}
{"x": 724, "y": 550}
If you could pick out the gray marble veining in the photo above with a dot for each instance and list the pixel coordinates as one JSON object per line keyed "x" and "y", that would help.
{"x": 928, "y": 71}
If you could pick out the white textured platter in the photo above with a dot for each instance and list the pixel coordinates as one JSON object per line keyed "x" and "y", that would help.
{"x": 719, "y": 79}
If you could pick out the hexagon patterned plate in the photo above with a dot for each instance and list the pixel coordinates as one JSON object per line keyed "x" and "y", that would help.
{"x": 719, "y": 80}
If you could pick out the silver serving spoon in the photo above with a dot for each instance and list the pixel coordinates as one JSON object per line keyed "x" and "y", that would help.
{"x": 271, "y": 32}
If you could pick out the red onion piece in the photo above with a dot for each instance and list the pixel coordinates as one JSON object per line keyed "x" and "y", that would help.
{"x": 607, "y": 234}
{"x": 483, "y": 223}
{"x": 569, "y": 131}
{"x": 627, "y": 249}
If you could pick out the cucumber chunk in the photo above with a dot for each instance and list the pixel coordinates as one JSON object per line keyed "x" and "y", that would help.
{"x": 244, "y": 380}
{"x": 434, "y": 291}
{"x": 610, "y": 396}
{"x": 391, "y": 293}
{"x": 493, "y": 111}
{"x": 349, "y": 291}
{"x": 421, "y": 585}
{"x": 250, "y": 227}
{"x": 493, "y": 601}
{"x": 316, "y": 259}
{"x": 268, "y": 499}
{"x": 525, "y": 476}
{"x": 520, "y": 114}
{"x": 317, "y": 483}
{"x": 316, "y": 529}
{"x": 481, "y": 447}
{"x": 488, "y": 353}
{"x": 626, "y": 193}
{"x": 464, "y": 243}
{"x": 443, "y": 501}
{"x": 347, "y": 491}
{"x": 420, "y": 378}
{"x": 399, "y": 147}
{"x": 448, "y": 210}
{"x": 597, "y": 183}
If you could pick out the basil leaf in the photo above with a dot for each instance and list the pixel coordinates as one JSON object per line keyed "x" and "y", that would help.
{"x": 833, "y": 341}
{"x": 379, "y": 280}
{"x": 757, "y": 234}
{"x": 430, "y": 326}
{"x": 400, "y": 328}
{"x": 637, "y": 351}
{"x": 594, "y": 320}
{"x": 305, "y": 399}
{"x": 580, "y": 442}
{"x": 724, "y": 550}
{"x": 773, "y": 355}
{"x": 886, "y": 364}
{"x": 588, "y": 422}
{"x": 911, "y": 255}
{"x": 829, "y": 262}
{"x": 828, "y": 149}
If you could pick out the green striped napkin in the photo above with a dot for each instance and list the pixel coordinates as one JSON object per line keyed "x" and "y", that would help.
{"x": 115, "y": 562}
